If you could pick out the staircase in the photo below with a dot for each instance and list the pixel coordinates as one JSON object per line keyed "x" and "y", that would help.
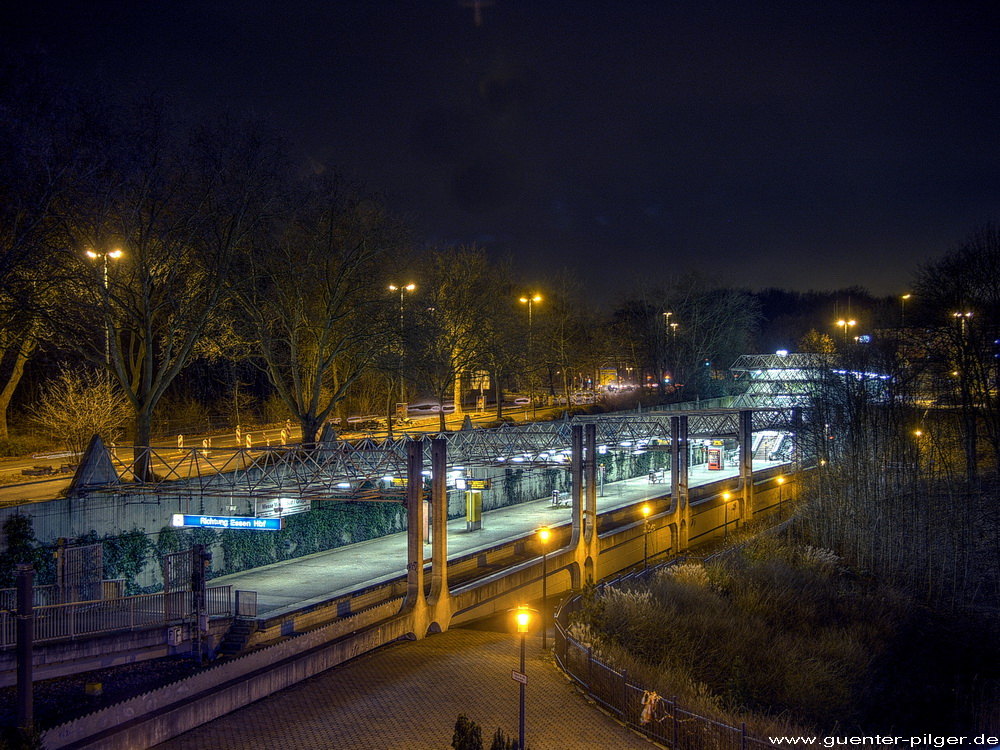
{"x": 763, "y": 451}
{"x": 237, "y": 637}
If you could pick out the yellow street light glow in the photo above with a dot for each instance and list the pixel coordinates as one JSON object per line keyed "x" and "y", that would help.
{"x": 115, "y": 254}
{"x": 523, "y": 619}
{"x": 918, "y": 433}
{"x": 646, "y": 510}
{"x": 725, "y": 495}
{"x": 535, "y": 298}
{"x": 781, "y": 480}
{"x": 92, "y": 254}
{"x": 544, "y": 533}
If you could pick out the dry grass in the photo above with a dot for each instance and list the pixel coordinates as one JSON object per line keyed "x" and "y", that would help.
{"x": 775, "y": 631}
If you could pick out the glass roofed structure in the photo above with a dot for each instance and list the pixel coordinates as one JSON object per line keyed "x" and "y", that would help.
{"x": 780, "y": 380}
{"x": 786, "y": 380}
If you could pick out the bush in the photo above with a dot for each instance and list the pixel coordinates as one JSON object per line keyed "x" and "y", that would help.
{"x": 468, "y": 735}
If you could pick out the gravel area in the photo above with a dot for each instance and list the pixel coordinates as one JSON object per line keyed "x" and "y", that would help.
{"x": 62, "y": 699}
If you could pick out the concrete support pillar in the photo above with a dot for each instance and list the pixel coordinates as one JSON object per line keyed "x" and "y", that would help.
{"x": 590, "y": 480}
{"x": 679, "y": 460}
{"x": 25, "y": 644}
{"x": 414, "y": 524}
{"x": 439, "y": 519}
{"x": 796, "y": 435}
{"x": 745, "y": 437}
{"x": 576, "y": 482}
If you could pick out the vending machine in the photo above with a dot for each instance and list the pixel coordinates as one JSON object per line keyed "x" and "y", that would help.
{"x": 716, "y": 459}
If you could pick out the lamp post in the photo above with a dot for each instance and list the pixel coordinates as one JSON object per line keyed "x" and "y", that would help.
{"x": 402, "y": 350}
{"x": 902, "y": 309}
{"x": 114, "y": 255}
{"x": 529, "y": 301}
{"x": 845, "y": 324}
{"x": 961, "y": 318}
{"x": 522, "y": 619}
{"x": 544, "y": 534}
{"x": 781, "y": 482}
{"x": 725, "y": 527}
{"x": 646, "y": 510}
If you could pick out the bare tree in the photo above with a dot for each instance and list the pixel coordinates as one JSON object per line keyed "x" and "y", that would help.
{"x": 958, "y": 300}
{"x": 691, "y": 329}
{"x": 178, "y": 212}
{"x": 565, "y": 331}
{"x": 42, "y": 153}
{"x": 74, "y": 406}
{"x": 449, "y": 338}
{"x": 312, "y": 298}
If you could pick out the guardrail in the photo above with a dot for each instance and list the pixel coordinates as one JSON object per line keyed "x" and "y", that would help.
{"x": 660, "y": 719}
{"x": 65, "y": 621}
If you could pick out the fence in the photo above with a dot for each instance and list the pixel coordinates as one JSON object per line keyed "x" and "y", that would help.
{"x": 42, "y": 595}
{"x": 660, "y": 719}
{"x": 64, "y": 621}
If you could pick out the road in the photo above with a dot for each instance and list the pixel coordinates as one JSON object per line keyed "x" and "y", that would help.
{"x": 34, "y": 489}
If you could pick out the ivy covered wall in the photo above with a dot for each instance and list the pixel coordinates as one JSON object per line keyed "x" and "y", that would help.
{"x": 137, "y": 533}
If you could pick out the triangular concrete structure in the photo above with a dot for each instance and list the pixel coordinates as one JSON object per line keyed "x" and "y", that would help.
{"x": 96, "y": 468}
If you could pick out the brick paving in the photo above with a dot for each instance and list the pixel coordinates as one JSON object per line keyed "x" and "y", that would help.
{"x": 408, "y": 696}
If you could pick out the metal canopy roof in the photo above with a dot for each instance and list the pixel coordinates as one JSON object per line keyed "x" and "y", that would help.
{"x": 366, "y": 469}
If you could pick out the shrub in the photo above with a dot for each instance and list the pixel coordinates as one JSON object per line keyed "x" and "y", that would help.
{"x": 468, "y": 735}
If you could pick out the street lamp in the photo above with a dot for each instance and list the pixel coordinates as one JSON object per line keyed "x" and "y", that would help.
{"x": 962, "y": 317}
{"x": 402, "y": 351}
{"x": 114, "y": 255}
{"x": 781, "y": 482}
{"x": 522, "y": 621}
{"x": 529, "y": 301}
{"x": 725, "y": 528}
{"x": 845, "y": 324}
{"x": 902, "y": 309}
{"x": 646, "y": 510}
{"x": 544, "y": 534}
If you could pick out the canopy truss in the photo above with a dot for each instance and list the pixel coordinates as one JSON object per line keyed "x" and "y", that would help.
{"x": 371, "y": 469}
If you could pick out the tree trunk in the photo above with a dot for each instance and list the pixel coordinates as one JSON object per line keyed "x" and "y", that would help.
{"x": 499, "y": 394}
{"x": 27, "y": 346}
{"x": 310, "y": 429}
{"x": 142, "y": 458}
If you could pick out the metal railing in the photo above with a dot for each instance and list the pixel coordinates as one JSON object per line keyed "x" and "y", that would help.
{"x": 65, "y": 621}
{"x": 661, "y": 719}
{"x": 43, "y": 595}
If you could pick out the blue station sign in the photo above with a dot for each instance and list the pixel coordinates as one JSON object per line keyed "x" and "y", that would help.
{"x": 247, "y": 523}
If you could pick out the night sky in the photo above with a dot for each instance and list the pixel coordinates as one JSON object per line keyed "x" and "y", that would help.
{"x": 802, "y": 145}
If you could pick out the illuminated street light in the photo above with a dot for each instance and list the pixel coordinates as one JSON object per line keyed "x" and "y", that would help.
{"x": 646, "y": 510}
{"x": 902, "y": 309}
{"x": 725, "y": 527}
{"x": 530, "y": 301}
{"x": 845, "y": 324}
{"x": 402, "y": 350}
{"x": 544, "y": 534}
{"x": 522, "y": 623}
{"x": 113, "y": 255}
{"x": 962, "y": 317}
{"x": 781, "y": 482}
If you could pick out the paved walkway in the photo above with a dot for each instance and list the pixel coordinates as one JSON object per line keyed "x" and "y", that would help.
{"x": 409, "y": 695}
